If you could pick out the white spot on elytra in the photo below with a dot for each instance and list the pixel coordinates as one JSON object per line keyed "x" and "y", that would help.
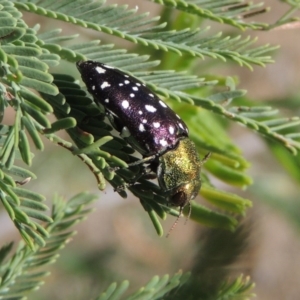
{"x": 126, "y": 81}
{"x": 138, "y": 84}
{"x": 163, "y": 142}
{"x": 178, "y": 117}
{"x": 121, "y": 84}
{"x": 93, "y": 87}
{"x": 106, "y": 100}
{"x": 156, "y": 124}
{"x": 135, "y": 88}
{"x": 181, "y": 126}
{"x": 100, "y": 70}
{"x": 126, "y": 76}
{"x": 162, "y": 103}
{"x": 140, "y": 112}
{"x": 131, "y": 95}
{"x": 125, "y": 104}
{"x": 144, "y": 121}
{"x": 150, "y": 108}
{"x": 151, "y": 95}
{"x": 171, "y": 129}
{"x": 141, "y": 127}
{"x": 104, "y": 85}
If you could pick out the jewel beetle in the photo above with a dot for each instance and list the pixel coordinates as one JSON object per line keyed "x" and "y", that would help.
{"x": 162, "y": 137}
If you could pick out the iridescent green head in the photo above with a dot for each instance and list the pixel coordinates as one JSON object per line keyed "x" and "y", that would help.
{"x": 179, "y": 173}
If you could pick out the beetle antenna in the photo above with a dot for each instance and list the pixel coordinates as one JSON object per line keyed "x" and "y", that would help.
{"x": 176, "y": 221}
{"x": 173, "y": 226}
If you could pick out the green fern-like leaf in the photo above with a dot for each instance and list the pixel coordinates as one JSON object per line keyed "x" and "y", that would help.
{"x": 26, "y": 270}
{"x": 121, "y": 22}
{"x": 239, "y": 289}
{"x": 228, "y": 12}
{"x": 156, "y": 288}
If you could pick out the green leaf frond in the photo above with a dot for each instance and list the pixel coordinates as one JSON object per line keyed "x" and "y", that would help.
{"x": 235, "y": 13}
{"x": 257, "y": 119}
{"x": 26, "y": 270}
{"x": 289, "y": 18}
{"x": 156, "y": 288}
{"x": 126, "y": 24}
{"x": 25, "y": 208}
{"x": 240, "y": 289}
{"x": 24, "y": 66}
{"x": 230, "y": 12}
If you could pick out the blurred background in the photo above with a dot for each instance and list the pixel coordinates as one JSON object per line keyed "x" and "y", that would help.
{"x": 118, "y": 241}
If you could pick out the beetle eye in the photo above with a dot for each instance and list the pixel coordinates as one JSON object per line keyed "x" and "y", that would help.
{"x": 179, "y": 199}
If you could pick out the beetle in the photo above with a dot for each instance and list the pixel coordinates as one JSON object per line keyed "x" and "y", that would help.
{"x": 160, "y": 135}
